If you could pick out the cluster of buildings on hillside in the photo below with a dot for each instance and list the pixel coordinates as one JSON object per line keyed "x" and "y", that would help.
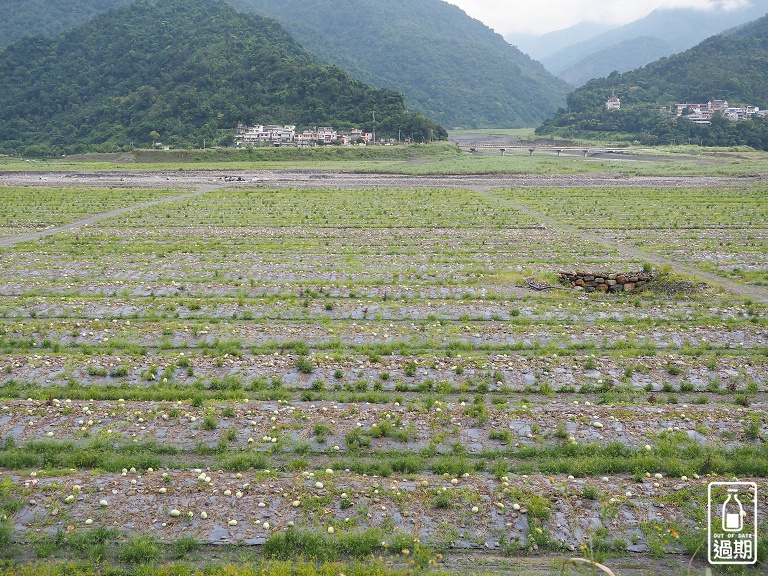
{"x": 288, "y": 136}
{"x": 702, "y": 113}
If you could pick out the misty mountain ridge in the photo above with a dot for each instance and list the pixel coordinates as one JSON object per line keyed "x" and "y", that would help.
{"x": 663, "y": 32}
{"x": 543, "y": 45}
{"x": 450, "y": 66}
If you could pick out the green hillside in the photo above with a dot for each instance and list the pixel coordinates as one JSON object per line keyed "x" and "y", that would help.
{"x": 449, "y": 66}
{"x": 732, "y": 67}
{"x": 47, "y": 17}
{"x": 186, "y": 69}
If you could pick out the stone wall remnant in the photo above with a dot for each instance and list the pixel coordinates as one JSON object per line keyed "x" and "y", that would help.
{"x": 606, "y": 281}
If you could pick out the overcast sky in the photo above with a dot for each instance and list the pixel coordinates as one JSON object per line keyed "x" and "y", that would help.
{"x": 541, "y": 16}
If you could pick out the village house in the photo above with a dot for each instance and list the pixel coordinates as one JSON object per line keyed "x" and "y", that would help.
{"x": 691, "y": 107}
{"x": 613, "y": 103}
{"x": 306, "y": 138}
{"x": 715, "y": 106}
{"x": 249, "y": 135}
{"x": 326, "y": 134}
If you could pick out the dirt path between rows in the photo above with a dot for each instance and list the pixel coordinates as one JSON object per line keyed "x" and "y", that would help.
{"x": 753, "y": 292}
{"x": 97, "y": 217}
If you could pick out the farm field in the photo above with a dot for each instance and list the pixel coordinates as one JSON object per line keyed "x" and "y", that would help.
{"x": 249, "y": 368}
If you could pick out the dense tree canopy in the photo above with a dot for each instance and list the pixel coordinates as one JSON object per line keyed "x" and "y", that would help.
{"x": 47, "y": 17}
{"x": 186, "y": 70}
{"x": 731, "y": 67}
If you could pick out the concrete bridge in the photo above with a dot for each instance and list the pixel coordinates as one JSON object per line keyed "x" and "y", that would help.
{"x": 531, "y": 148}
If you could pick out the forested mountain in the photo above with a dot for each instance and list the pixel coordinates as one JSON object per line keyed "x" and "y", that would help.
{"x": 47, "y": 17}
{"x": 186, "y": 69}
{"x": 449, "y": 66}
{"x": 732, "y": 67}
{"x": 663, "y": 32}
